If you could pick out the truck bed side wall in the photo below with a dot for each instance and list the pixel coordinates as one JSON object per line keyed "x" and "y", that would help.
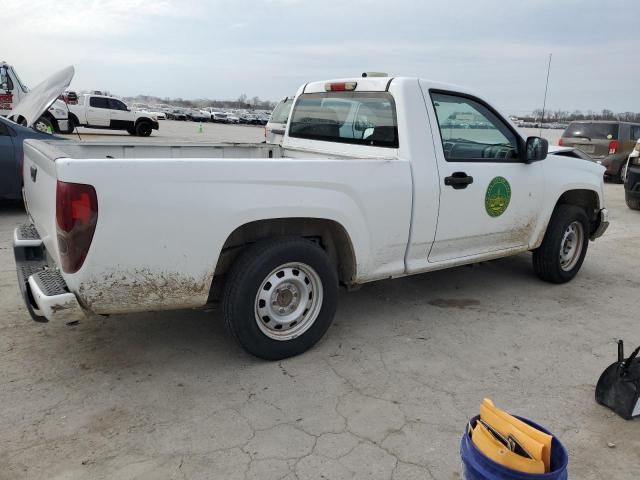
{"x": 162, "y": 223}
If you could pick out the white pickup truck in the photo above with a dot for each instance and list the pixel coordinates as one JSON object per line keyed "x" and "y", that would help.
{"x": 374, "y": 179}
{"x": 106, "y": 112}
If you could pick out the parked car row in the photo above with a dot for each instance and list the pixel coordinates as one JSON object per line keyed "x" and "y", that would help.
{"x": 205, "y": 114}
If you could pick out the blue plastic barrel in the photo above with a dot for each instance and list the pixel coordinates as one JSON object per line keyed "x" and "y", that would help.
{"x": 477, "y": 466}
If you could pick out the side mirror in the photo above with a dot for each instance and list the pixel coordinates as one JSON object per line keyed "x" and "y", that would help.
{"x": 536, "y": 149}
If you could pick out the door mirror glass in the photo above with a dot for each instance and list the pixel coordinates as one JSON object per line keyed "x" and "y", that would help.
{"x": 537, "y": 149}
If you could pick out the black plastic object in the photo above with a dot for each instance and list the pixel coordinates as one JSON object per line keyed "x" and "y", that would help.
{"x": 619, "y": 385}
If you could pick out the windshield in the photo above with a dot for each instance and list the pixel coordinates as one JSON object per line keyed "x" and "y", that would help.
{"x": 364, "y": 118}
{"x": 593, "y": 131}
{"x": 281, "y": 112}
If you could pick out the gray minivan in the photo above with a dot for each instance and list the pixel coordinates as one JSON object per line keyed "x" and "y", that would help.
{"x": 608, "y": 142}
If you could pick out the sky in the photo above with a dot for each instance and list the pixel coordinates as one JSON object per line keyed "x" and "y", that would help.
{"x": 220, "y": 49}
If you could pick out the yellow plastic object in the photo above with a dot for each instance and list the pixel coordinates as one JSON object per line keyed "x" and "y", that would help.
{"x": 537, "y": 443}
{"x": 500, "y": 454}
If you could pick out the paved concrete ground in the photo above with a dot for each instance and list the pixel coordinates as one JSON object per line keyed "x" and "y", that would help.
{"x": 385, "y": 395}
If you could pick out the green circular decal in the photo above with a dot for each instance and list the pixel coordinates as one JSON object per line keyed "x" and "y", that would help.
{"x": 497, "y": 198}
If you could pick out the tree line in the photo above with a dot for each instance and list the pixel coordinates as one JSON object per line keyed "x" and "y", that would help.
{"x": 562, "y": 116}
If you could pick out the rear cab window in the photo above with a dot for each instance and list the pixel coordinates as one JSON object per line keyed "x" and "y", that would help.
{"x": 360, "y": 118}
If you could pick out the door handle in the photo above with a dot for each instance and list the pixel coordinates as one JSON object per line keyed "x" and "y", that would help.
{"x": 458, "y": 180}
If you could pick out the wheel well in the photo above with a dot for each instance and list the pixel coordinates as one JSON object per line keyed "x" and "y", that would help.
{"x": 51, "y": 118}
{"x": 142, "y": 119}
{"x": 330, "y": 235}
{"x": 73, "y": 118}
{"x": 585, "y": 199}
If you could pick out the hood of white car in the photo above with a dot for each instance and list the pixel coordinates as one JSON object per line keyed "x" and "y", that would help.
{"x": 40, "y": 98}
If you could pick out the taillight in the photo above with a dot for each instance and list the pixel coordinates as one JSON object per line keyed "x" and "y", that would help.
{"x": 561, "y": 142}
{"x": 76, "y": 218}
{"x": 613, "y": 147}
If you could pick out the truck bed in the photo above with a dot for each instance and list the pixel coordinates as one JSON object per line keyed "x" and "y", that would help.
{"x": 165, "y": 211}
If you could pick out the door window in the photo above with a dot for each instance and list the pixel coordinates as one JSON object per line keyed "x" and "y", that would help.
{"x": 117, "y": 104}
{"x": 471, "y": 132}
{"x": 99, "y": 102}
{"x": 635, "y": 132}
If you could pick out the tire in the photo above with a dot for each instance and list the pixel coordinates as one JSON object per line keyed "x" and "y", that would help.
{"x": 619, "y": 178}
{"x": 548, "y": 261}
{"x": 71, "y": 125}
{"x": 43, "y": 124}
{"x": 254, "y": 306}
{"x": 632, "y": 203}
{"x": 143, "y": 129}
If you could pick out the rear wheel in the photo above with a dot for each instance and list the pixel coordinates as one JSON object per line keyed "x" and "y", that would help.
{"x": 280, "y": 297}
{"x": 632, "y": 202}
{"x": 564, "y": 247}
{"x": 143, "y": 129}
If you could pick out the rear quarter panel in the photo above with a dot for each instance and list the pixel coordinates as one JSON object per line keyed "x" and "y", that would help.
{"x": 162, "y": 222}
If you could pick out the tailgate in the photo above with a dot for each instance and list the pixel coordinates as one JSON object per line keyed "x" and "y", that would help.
{"x": 40, "y": 181}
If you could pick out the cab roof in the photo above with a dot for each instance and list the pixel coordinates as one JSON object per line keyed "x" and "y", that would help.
{"x": 382, "y": 84}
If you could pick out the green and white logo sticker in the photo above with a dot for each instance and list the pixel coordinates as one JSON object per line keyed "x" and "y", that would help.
{"x": 498, "y": 196}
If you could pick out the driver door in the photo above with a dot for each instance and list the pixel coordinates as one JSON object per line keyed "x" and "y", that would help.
{"x": 489, "y": 198}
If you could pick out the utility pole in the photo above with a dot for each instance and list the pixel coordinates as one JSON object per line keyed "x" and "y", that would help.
{"x": 546, "y": 87}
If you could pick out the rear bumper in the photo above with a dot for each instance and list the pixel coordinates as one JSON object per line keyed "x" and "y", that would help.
{"x": 602, "y": 224}
{"x": 43, "y": 289}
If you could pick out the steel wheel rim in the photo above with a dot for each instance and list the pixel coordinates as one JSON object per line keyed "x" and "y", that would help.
{"x": 571, "y": 246}
{"x": 42, "y": 127}
{"x": 288, "y": 301}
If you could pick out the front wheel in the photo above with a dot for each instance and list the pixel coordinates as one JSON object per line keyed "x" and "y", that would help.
{"x": 280, "y": 297}
{"x": 564, "y": 247}
{"x": 143, "y": 129}
{"x": 44, "y": 125}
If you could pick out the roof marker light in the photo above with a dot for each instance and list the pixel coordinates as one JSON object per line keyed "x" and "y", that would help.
{"x": 340, "y": 86}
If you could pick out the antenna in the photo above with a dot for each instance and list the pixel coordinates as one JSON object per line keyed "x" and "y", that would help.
{"x": 546, "y": 87}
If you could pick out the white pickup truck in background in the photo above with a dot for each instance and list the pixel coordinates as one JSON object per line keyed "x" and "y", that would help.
{"x": 374, "y": 179}
{"x": 106, "y": 112}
